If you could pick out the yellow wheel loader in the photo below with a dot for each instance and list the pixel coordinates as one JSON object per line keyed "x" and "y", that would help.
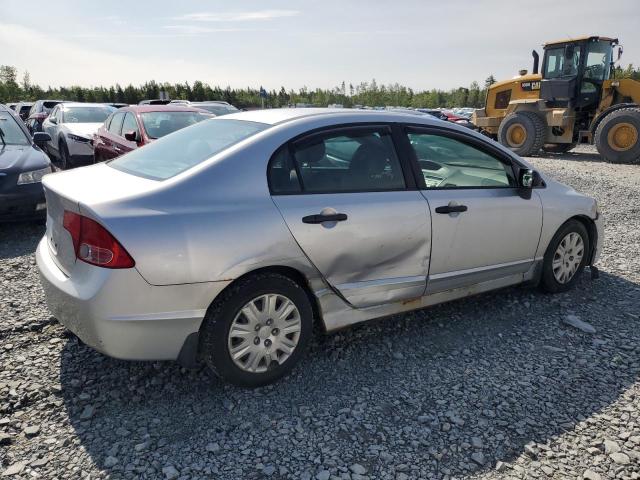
{"x": 574, "y": 99}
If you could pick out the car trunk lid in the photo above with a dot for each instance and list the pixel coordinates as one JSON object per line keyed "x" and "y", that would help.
{"x": 80, "y": 191}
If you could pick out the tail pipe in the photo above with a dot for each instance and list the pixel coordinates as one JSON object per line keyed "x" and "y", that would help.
{"x": 536, "y": 61}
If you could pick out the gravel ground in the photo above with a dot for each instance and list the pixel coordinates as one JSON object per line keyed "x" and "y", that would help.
{"x": 497, "y": 386}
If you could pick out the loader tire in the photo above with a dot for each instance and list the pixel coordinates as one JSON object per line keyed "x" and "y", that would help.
{"x": 617, "y": 137}
{"x": 522, "y": 132}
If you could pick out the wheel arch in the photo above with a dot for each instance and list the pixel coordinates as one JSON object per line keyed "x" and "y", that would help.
{"x": 598, "y": 120}
{"x": 592, "y": 230}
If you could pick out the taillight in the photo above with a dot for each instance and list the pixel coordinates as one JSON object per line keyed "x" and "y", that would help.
{"x": 93, "y": 244}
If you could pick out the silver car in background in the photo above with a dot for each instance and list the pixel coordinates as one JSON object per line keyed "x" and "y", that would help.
{"x": 225, "y": 241}
{"x": 71, "y": 127}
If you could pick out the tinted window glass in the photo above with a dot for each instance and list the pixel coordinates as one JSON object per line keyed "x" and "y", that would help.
{"x": 159, "y": 124}
{"x": 559, "y": 64}
{"x": 283, "y": 177}
{"x": 358, "y": 160}
{"x": 449, "y": 163}
{"x": 116, "y": 123}
{"x": 186, "y": 148}
{"x": 129, "y": 124}
{"x": 10, "y": 132}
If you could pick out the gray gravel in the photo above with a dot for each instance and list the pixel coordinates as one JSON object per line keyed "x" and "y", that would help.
{"x": 498, "y": 386}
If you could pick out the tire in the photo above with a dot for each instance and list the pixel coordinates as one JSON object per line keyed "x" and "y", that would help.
{"x": 63, "y": 156}
{"x": 550, "y": 281}
{"x": 617, "y": 137}
{"x": 558, "y": 147}
{"x": 522, "y": 132}
{"x": 216, "y": 342}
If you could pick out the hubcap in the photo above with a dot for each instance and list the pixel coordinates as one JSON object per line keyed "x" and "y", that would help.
{"x": 264, "y": 333}
{"x": 516, "y": 134}
{"x": 622, "y": 136}
{"x": 568, "y": 257}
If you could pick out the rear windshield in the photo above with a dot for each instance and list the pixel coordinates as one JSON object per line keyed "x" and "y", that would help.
{"x": 10, "y": 132}
{"x": 185, "y": 148}
{"x": 159, "y": 124}
{"x": 87, "y": 114}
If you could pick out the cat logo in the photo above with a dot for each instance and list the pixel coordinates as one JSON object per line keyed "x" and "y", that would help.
{"x": 530, "y": 86}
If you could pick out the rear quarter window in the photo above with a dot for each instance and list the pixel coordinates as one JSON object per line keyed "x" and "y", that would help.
{"x": 186, "y": 148}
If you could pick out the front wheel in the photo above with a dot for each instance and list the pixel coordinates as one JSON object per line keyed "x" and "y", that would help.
{"x": 566, "y": 257}
{"x": 523, "y": 132}
{"x": 257, "y": 330}
{"x": 63, "y": 156}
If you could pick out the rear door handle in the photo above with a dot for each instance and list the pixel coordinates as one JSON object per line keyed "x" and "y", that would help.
{"x": 451, "y": 209}
{"x": 320, "y": 218}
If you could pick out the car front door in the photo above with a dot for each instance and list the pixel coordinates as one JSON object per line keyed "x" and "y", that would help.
{"x": 482, "y": 228}
{"x": 111, "y": 140}
{"x": 348, "y": 201}
{"x": 129, "y": 125}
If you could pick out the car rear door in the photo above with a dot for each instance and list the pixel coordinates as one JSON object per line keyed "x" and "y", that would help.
{"x": 353, "y": 208}
{"x": 482, "y": 228}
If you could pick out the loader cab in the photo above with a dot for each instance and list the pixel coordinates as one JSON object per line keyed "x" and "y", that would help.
{"x": 573, "y": 72}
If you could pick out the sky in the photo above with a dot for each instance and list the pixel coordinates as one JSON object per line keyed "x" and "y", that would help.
{"x": 422, "y": 44}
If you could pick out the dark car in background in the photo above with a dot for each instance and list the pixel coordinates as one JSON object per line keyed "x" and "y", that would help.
{"x": 131, "y": 127}
{"x": 22, "y": 166}
{"x": 39, "y": 111}
{"x": 22, "y": 109}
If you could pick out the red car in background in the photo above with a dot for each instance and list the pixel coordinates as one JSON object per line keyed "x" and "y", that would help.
{"x": 131, "y": 127}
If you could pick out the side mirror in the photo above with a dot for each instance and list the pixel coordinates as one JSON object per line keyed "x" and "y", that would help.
{"x": 619, "y": 52}
{"x": 527, "y": 179}
{"x": 40, "y": 138}
{"x": 131, "y": 135}
{"x": 53, "y": 120}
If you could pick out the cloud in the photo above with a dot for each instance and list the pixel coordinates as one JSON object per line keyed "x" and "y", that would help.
{"x": 87, "y": 66}
{"x": 237, "y": 16}
{"x": 198, "y": 30}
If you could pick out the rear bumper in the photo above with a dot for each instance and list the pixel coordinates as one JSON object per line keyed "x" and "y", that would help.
{"x": 121, "y": 315}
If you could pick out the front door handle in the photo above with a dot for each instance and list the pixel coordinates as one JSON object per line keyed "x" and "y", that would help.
{"x": 328, "y": 217}
{"x": 451, "y": 209}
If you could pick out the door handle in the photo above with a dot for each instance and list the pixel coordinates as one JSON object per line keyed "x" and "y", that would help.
{"x": 320, "y": 218}
{"x": 451, "y": 209}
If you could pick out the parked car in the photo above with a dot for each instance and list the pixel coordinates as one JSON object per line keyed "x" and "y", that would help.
{"x": 434, "y": 113}
{"x": 117, "y": 105}
{"x": 71, "y": 127}
{"x": 227, "y": 240}
{"x": 155, "y": 101}
{"x": 217, "y": 107}
{"x": 23, "y": 109}
{"x": 38, "y": 112}
{"x": 132, "y": 127}
{"x": 22, "y": 166}
{"x": 459, "y": 119}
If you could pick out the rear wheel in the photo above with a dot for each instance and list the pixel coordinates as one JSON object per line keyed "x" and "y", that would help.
{"x": 566, "y": 257}
{"x": 558, "y": 147}
{"x": 617, "y": 137}
{"x": 523, "y": 132}
{"x": 257, "y": 330}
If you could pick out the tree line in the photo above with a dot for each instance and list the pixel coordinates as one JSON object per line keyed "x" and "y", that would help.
{"x": 13, "y": 88}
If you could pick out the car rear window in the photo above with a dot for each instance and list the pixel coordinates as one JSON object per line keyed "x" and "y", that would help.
{"x": 186, "y": 148}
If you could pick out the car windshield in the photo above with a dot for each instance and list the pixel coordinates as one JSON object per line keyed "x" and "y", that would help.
{"x": 159, "y": 124}
{"x": 86, "y": 114}
{"x": 186, "y": 148}
{"x": 217, "y": 109}
{"x": 10, "y": 132}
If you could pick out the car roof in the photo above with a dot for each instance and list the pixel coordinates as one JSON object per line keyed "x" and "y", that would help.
{"x": 280, "y": 115}
{"x": 174, "y": 107}
{"x": 82, "y": 104}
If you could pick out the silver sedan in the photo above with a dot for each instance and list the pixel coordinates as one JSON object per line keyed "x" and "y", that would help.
{"x": 224, "y": 243}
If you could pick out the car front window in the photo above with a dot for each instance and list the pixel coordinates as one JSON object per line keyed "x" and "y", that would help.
{"x": 185, "y": 148}
{"x": 10, "y": 132}
{"x": 159, "y": 124}
{"x": 86, "y": 114}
